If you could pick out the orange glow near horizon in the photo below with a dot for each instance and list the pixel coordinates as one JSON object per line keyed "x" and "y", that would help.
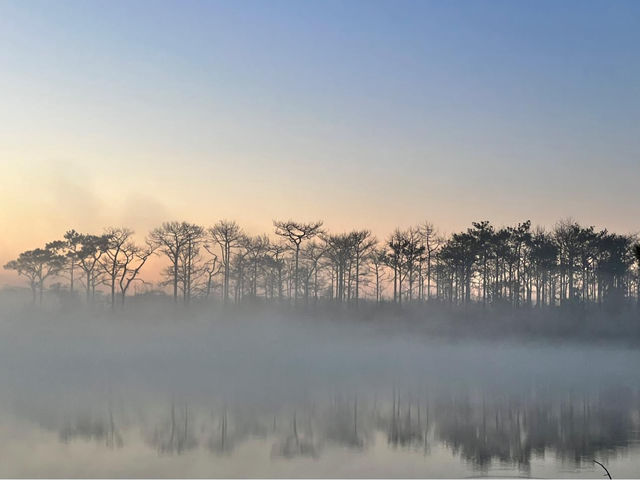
{"x": 255, "y": 112}
{"x": 44, "y": 199}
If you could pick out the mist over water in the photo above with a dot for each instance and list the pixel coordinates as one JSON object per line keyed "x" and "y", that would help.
{"x": 183, "y": 392}
{"x": 339, "y": 239}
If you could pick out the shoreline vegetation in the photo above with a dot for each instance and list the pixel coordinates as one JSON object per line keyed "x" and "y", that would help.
{"x": 571, "y": 281}
{"x": 438, "y": 321}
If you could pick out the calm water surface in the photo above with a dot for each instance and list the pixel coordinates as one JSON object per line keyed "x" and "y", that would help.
{"x": 268, "y": 398}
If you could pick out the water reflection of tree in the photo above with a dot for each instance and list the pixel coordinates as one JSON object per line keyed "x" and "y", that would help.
{"x": 296, "y": 443}
{"x": 483, "y": 434}
{"x": 87, "y": 427}
{"x": 226, "y": 430}
{"x": 219, "y": 441}
{"x": 407, "y": 424}
{"x": 174, "y": 435}
{"x": 513, "y": 432}
{"x": 589, "y": 428}
{"x": 347, "y": 422}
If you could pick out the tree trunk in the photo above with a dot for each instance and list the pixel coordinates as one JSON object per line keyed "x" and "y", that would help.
{"x": 175, "y": 279}
{"x": 295, "y": 282}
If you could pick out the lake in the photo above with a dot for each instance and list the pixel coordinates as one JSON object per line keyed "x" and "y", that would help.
{"x": 268, "y": 397}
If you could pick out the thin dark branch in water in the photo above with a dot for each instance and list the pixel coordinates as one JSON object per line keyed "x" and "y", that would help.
{"x": 605, "y": 468}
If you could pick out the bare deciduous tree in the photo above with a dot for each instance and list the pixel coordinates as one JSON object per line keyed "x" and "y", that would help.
{"x": 170, "y": 239}
{"x": 113, "y": 257}
{"x": 256, "y": 248}
{"x": 362, "y": 243}
{"x": 227, "y": 234}
{"x": 295, "y": 233}
{"x": 132, "y": 260}
{"x": 432, "y": 243}
{"x": 277, "y": 252}
{"x": 378, "y": 261}
{"x": 89, "y": 254}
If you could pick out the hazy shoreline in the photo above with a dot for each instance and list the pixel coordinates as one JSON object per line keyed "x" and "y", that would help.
{"x": 451, "y": 323}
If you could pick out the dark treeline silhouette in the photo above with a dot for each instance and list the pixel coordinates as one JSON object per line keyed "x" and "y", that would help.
{"x": 517, "y": 266}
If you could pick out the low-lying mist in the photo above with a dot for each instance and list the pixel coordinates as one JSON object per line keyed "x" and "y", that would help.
{"x": 210, "y": 379}
{"x": 265, "y": 354}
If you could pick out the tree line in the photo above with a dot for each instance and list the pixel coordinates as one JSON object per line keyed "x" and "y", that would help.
{"x": 302, "y": 263}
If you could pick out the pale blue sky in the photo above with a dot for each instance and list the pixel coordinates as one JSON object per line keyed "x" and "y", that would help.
{"x": 361, "y": 113}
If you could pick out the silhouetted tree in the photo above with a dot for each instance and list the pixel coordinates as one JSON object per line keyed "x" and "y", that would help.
{"x": 114, "y": 256}
{"x": 211, "y": 268}
{"x": 544, "y": 254}
{"x": 190, "y": 267}
{"x": 636, "y": 254}
{"x": 38, "y": 265}
{"x": 73, "y": 243}
{"x": 312, "y": 254}
{"x": 521, "y": 241}
{"x": 395, "y": 259}
{"x": 132, "y": 260}
{"x": 227, "y": 234}
{"x": 170, "y": 239}
{"x": 613, "y": 265}
{"x": 567, "y": 237}
{"x": 362, "y": 244}
{"x": 483, "y": 233}
{"x": 339, "y": 253}
{"x": 238, "y": 271}
{"x": 512, "y": 265}
{"x": 91, "y": 249}
{"x": 295, "y": 233}
{"x": 277, "y": 252}
{"x": 377, "y": 260}
{"x": 412, "y": 252}
{"x": 432, "y": 243}
{"x": 256, "y": 248}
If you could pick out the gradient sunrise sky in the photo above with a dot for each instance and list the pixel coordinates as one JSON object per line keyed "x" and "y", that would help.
{"x": 362, "y": 113}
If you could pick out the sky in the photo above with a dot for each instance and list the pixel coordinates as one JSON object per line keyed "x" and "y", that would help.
{"x": 363, "y": 114}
